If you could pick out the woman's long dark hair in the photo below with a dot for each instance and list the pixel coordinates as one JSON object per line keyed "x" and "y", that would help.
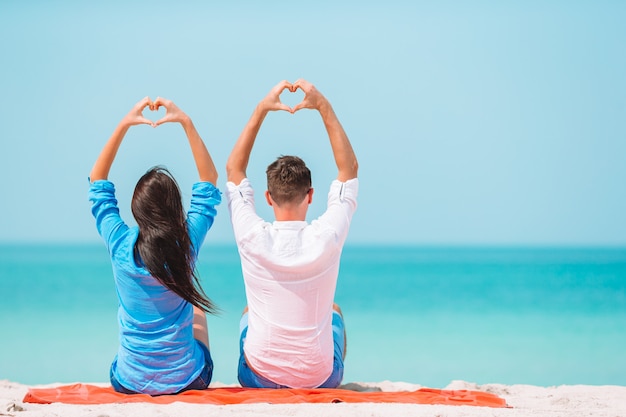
{"x": 163, "y": 244}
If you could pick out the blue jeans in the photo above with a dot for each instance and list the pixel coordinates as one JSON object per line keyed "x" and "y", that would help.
{"x": 201, "y": 382}
{"x": 248, "y": 378}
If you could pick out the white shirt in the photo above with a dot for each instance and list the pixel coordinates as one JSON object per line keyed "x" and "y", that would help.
{"x": 290, "y": 271}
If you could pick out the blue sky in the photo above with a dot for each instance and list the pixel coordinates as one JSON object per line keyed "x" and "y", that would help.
{"x": 475, "y": 123}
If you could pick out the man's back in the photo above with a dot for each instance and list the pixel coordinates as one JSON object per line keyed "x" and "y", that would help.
{"x": 290, "y": 270}
{"x": 292, "y": 333}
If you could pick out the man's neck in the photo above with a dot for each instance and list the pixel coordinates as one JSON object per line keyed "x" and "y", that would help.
{"x": 290, "y": 212}
{"x": 282, "y": 215}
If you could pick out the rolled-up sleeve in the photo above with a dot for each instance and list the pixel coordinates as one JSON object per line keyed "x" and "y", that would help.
{"x": 342, "y": 203}
{"x": 242, "y": 209}
{"x": 104, "y": 209}
{"x": 201, "y": 215}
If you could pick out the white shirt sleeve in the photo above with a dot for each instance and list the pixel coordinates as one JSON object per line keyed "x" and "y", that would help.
{"x": 241, "y": 208}
{"x": 341, "y": 207}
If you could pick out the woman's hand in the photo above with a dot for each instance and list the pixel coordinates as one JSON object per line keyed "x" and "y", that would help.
{"x": 135, "y": 115}
{"x": 172, "y": 113}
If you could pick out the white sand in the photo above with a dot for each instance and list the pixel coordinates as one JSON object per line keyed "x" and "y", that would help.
{"x": 525, "y": 400}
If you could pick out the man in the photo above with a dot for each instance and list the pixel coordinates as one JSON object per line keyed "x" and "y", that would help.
{"x": 292, "y": 333}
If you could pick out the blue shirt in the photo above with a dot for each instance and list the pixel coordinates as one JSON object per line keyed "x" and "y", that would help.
{"x": 157, "y": 353}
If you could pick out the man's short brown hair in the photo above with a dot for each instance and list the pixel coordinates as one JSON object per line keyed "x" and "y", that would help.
{"x": 288, "y": 179}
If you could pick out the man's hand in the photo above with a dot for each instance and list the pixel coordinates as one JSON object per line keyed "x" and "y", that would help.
{"x": 313, "y": 99}
{"x": 272, "y": 102}
{"x": 345, "y": 158}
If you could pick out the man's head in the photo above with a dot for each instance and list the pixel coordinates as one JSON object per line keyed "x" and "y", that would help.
{"x": 288, "y": 180}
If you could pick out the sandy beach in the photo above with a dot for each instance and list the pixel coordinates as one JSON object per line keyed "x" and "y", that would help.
{"x": 523, "y": 400}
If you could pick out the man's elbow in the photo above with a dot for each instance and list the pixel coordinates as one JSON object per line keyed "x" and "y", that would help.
{"x": 234, "y": 173}
{"x": 354, "y": 168}
{"x": 231, "y": 167}
{"x": 349, "y": 171}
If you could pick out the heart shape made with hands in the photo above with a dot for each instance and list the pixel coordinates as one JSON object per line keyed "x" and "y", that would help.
{"x": 154, "y": 115}
{"x": 291, "y": 98}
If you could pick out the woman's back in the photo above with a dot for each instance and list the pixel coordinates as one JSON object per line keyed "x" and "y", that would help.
{"x": 160, "y": 352}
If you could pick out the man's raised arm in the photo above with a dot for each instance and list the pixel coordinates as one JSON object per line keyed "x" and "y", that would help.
{"x": 345, "y": 158}
{"x": 240, "y": 155}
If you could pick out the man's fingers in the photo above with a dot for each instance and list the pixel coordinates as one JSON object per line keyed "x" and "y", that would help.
{"x": 303, "y": 85}
{"x": 283, "y": 85}
{"x": 282, "y": 106}
{"x": 142, "y": 104}
{"x": 299, "y": 106}
{"x": 160, "y": 102}
{"x": 162, "y": 120}
{"x": 279, "y": 88}
{"x": 144, "y": 121}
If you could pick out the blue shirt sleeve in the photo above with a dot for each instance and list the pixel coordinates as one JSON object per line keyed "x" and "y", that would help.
{"x": 104, "y": 209}
{"x": 204, "y": 197}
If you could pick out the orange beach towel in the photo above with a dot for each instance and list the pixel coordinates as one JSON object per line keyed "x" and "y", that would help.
{"x": 91, "y": 394}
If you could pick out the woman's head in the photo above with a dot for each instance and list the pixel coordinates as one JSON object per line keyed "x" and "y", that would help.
{"x": 163, "y": 244}
{"x": 157, "y": 202}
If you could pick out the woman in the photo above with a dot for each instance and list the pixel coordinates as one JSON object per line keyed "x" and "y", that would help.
{"x": 164, "y": 344}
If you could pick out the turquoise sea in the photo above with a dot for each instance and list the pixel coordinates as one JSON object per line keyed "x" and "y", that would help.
{"x": 541, "y": 316}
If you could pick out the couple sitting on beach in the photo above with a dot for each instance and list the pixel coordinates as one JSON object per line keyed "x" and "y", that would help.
{"x": 292, "y": 333}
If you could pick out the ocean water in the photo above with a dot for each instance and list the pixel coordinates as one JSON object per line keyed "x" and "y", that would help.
{"x": 541, "y": 316}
